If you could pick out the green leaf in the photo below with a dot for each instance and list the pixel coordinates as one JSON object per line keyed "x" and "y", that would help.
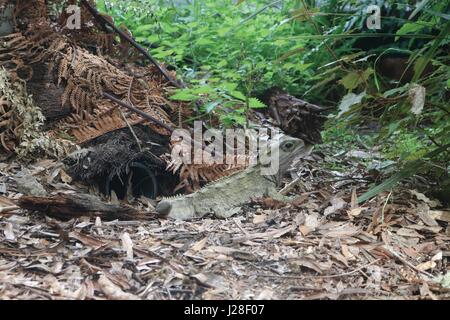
{"x": 101, "y": 5}
{"x": 210, "y": 106}
{"x": 409, "y": 27}
{"x": 204, "y": 42}
{"x": 419, "y": 7}
{"x": 351, "y": 80}
{"x": 222, "y": 63}
{"x": 164, "y": 54}
{"x": 184, "y": 95}
{"x": 238, "y": 95}
{"x": 228, "y": 86}
{"x": 350, "y": 100}
{"x": 393, "y": 127}
{"x": 153, "y": 38}
{"x": 142, "y": 28}
{"x": 407, "y": 171}
{"x": 203, "y": 90}
{"x": 396, "y": 91}
{"x": 254, "y": 103}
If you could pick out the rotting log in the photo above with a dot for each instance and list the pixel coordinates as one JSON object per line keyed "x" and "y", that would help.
{"x": 294, "y": 116}
{"x": 69, "y": 206}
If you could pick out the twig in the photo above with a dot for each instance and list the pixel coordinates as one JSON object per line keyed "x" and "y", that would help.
{"x": 140, "y": 112}
{"x": 131, "y": 130}
{"x": 384, "y": 207}
{"x": 125, "y": 118}
{"x": 406, "y": 262}
{"x": 238, "y": 224}
{"x": 351, "y": 272}
{"x": 346, "y": 178}
{"x": 8, "y": 209}
{"x": 291, "y": 185}
{"x": 133, "y": 42}
{"x": 319, "y": 276}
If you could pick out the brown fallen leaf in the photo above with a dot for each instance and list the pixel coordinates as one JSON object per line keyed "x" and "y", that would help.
{"x": 346, "y": 252}
{"x": 65, "y": 177}
{"x": 127, "y": 245}
{"x": 339, "y": 257}
{"x": 269, "y": 203}
{"x": 440, "y": 215}
{"x": 113, "y": 291}
{"x": 424, "y": 198}
{"x": 266, "y": 294}
{"x": 354, "y": 199}
{"x": 199, "y": 245}
{"x": 8, "y": 231}
{"x": 307, "y": 263}
{"x": 259, "y": 218}
{"x": 423, "y": 211}
{"x": 426, "y": 228}
{"x": 210, "y": 280}
{"x": 336, "y": 205}
{"x": 426, "y": 292}
{"x": 87, "y": 240}
{"x": 304, "y": 230}
{"x": 243, "y": 255}
{"x": 339, "y": 230}
{"x": 407, "y": 232}
{"x": 355, "y": 212}
{"x": 426, "y": 265}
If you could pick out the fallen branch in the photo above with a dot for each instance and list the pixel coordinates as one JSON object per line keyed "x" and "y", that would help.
{"x": 68, "y": 206}
{"x": 136, "y": 110}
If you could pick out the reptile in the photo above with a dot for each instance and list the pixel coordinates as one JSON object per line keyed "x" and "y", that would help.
{"x": 224, "y": 197}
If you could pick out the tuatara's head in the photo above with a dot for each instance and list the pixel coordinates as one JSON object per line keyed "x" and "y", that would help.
{"x": 290, "y": 148}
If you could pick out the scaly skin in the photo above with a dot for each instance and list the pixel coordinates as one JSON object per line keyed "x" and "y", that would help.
{"x": 224, "y": 197}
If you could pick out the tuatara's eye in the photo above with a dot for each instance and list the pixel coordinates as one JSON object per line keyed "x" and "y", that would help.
{"x": 287, "y": 146}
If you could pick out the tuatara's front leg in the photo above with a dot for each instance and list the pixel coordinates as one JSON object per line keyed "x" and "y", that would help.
{"x": 227, "y": 213}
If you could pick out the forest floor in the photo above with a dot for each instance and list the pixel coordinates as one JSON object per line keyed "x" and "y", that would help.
{"x": 323, "y": 246}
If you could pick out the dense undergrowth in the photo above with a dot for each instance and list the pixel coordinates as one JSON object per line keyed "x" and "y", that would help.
{"x": 388, "y": 86}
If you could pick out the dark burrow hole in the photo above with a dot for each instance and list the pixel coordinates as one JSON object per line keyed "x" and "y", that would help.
{"x": 138, "y": 181}
{"x": 115, "y": 163}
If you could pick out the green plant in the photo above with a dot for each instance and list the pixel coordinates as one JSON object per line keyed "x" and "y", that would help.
{"x": 216, "y": 49}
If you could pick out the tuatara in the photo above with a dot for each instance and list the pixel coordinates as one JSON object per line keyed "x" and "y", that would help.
{"x": 224, "y": 197}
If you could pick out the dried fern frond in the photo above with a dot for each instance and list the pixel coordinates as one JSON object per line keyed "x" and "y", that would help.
{"x": 193, "y": 176}
{"x": 84, "y": 76}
